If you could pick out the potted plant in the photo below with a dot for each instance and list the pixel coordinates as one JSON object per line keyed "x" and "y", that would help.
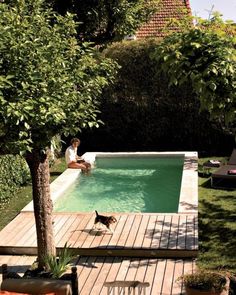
{"x": 53, "y": 279}
{"x": 204, "y": 282}
{"x": 57, "y": 265}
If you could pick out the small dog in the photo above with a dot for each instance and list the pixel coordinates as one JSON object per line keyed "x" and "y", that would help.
{"x": 105, "y": 220}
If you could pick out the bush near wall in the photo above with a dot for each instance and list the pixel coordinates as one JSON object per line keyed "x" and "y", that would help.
{"x": 142, "y": 113}
{"x": 14, "y": 172}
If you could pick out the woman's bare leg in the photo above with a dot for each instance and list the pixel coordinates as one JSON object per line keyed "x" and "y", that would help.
{"x": 74, "y": 165}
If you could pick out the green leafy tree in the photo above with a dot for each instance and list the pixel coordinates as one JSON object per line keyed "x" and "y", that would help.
{"x": 205, "y": 57}
{"x": 49, "y": 85}
{"x": 103, "y": 21}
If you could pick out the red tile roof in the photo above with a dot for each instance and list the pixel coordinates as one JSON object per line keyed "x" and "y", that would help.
{"x": 168, "y": 10}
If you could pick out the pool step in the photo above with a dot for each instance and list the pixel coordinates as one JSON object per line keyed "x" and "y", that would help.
{"x": 158, "y": 253}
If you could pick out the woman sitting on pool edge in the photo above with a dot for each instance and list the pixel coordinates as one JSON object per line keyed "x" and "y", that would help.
{"x": 73, "y": 160}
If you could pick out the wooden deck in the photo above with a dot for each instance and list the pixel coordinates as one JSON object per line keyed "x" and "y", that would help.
{"x": 135, "y": 235}
{"x": 94, "y": 271}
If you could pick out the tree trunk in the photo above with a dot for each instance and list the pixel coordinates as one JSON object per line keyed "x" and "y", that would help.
{"x": 39, "y": 168}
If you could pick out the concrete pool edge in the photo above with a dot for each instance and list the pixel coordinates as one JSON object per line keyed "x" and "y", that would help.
{"x": 188, "y": 202}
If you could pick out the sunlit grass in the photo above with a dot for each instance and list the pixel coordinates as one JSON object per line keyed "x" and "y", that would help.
{"x": 24, "y": 196}
{"x": 217, "y": 226}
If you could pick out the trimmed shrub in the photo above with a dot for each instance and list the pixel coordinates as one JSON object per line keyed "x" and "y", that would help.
{"x": 14, "y": 172}
{"x": 141, "y": 112}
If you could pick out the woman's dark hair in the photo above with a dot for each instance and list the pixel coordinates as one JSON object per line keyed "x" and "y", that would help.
{"x": 73, "y": 140}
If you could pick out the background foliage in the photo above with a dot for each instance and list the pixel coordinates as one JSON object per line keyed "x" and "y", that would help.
{"x": 142, "y": 111}
{"x": 103, "y": 21}
{"x": 14, "y": 172}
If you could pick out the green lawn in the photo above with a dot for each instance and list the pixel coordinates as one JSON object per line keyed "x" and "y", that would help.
{"x": 217, "y": 226}
{"x": 217, "y": 215}
{"x": 24, "y": 196}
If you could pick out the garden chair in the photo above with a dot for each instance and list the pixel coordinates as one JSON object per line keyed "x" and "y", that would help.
{"x": 225, "y": 176}
{"x": 132, "y": 287}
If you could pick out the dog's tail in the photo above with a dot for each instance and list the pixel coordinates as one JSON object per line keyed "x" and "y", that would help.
{"x": 96, "y": 212}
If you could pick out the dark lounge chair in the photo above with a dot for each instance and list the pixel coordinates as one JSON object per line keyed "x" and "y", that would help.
{"x": 225, "y": 176}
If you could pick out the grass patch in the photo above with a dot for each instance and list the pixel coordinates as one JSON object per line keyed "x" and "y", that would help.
{"x": 24, "y": 195}
{"x": 217, "y": 226}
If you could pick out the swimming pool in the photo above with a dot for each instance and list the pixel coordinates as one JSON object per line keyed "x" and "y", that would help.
{"x": 188, "y": 196}
{"x": 126, "y": 184}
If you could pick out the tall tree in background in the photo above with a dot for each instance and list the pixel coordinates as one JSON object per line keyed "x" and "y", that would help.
{"x": 48, "y": 85}
{"x": 205, "y": 57}
{"x": 103, "y": 21}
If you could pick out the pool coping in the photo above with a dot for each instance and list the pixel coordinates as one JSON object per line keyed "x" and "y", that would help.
{"x": 188, "y": 202}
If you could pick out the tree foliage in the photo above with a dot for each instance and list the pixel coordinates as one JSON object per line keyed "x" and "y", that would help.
{"x": 103, "y": 21}
{"x": 49, "y": 84}
{"x": 205, "y": 57}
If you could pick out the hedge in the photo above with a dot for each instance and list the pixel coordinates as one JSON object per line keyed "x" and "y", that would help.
{"x": 14, "y": 172}
{"x": 142, "y": 113}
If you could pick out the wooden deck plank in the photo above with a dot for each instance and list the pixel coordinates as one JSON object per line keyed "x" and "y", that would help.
{"x": 195, "y": 232}
{"x": 26, "y": 238}
{"x": 188, "y": 266}
{"x": 79, "y": 225}
{"x": 172, "y": 244}
{"x": 77, "y": 237}
{"x": 7, "y": 230}
{"x": 190, "y": 234}
{"x": 15, "y": 229}
{"x": 112, "y": 275}
{"x": 116, "y": 235}
{"x": 149, "y": 232}
{"x": 81, "y": 263}
{"x": 123, "y": 270}
{"x": 168, "y": 277}
{"x": 125, "y": 232}
{"x": 141, "y": 271}
{"x": 158, "y": 277}
{"x": 86, "y": 236}
{"x": 85, "y": 273}
{"x": 157, "y": 232}
{"x": 181, "y": 240}
{"x": 177, "y": 285}
{"x": 132, "y": 270}
{"x": 96, "y": 289}
{"x": 67, "y": 236}
{"x": 133, "y": 232}
{"x": 165, "y": 235}
{"x": 58, "y": 221}
{"x": 91, "y": 280}
{"x": 24, "y": 231}
{"x": 150, "y": 273}
{"x": 60, "y": 238}
{"x": 59, "y": 226}
{"x": 141, "y": 232}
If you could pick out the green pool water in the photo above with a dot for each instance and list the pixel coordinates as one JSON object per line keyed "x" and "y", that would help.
{"x": 133, "y": 184}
